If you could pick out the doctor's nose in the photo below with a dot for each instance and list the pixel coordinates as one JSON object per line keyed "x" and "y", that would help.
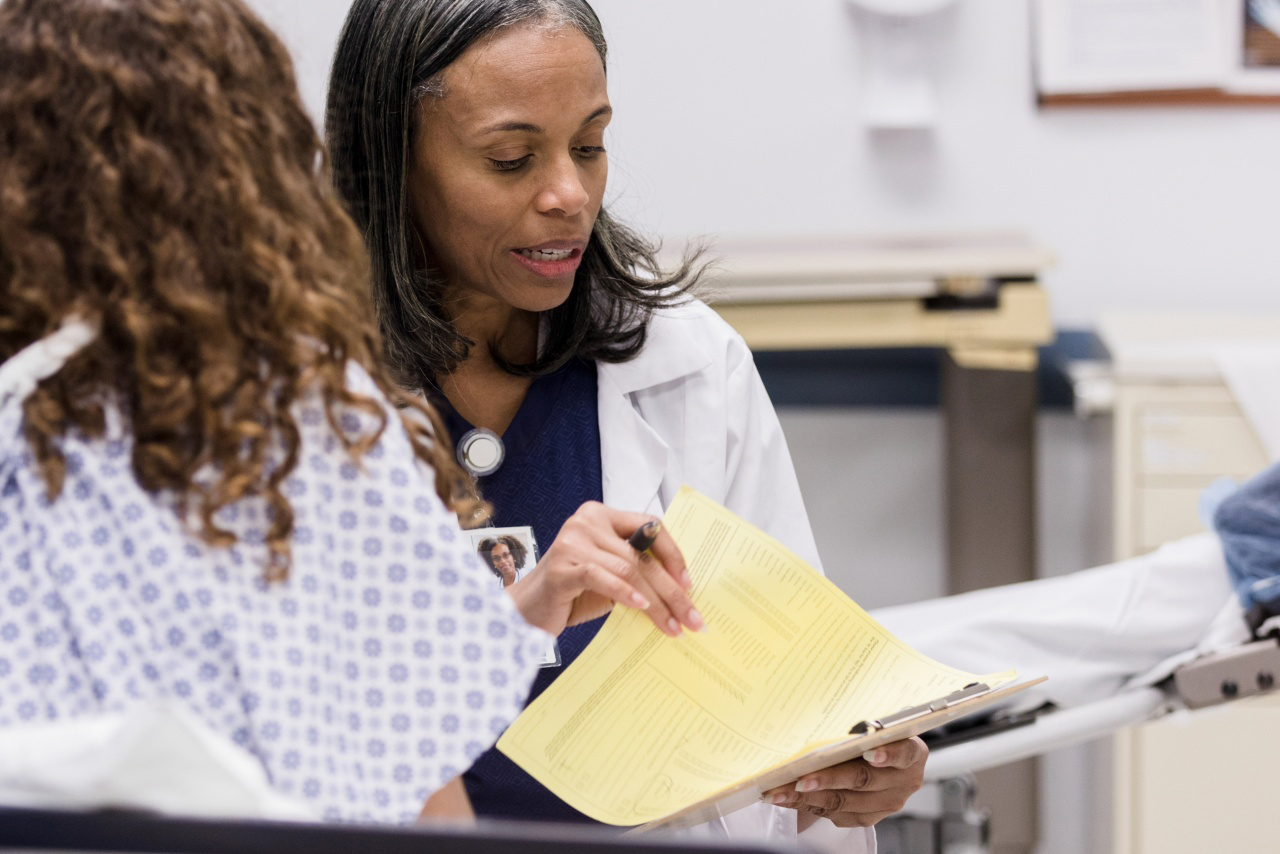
{"x": 564, "y": 191}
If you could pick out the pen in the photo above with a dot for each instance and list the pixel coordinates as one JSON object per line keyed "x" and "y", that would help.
{"x": 645, "y": 535}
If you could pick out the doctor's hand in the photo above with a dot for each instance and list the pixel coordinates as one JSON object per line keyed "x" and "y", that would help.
{"x": 590, "y": 566}
{"x": 858, "y": 793}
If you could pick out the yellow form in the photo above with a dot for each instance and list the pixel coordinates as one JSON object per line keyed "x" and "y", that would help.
{"x": 642, "y": 725}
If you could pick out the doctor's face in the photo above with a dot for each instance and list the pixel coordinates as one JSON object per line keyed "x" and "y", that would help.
{"x": 504, "y": 562}
{"x": 508, "y": 169}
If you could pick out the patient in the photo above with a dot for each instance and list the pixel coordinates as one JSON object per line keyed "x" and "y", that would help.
{"x": 207, "y": 491}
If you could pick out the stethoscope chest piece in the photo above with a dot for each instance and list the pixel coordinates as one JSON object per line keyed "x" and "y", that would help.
{"x": 480, "y": 451}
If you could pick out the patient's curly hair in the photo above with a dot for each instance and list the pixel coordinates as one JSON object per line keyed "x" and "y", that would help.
{"x": 158, "y": 173}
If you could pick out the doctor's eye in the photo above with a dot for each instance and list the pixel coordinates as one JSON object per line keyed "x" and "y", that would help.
{"x": 510, "y": 165}
{"x": 590, "y": 151}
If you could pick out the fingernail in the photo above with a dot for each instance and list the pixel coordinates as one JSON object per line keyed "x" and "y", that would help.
{"x": 639, "y": 601}
{"x": 686, "y": 579}
{"x": 807, "y": 786}
{"x": 695, "y": 620}
{"x": 875, "y": 757}
{"x": 779, "y": 800}
{"x": 674, "y": 625}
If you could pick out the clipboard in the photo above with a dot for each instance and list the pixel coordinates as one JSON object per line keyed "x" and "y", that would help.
{"x": 863, "y": 736}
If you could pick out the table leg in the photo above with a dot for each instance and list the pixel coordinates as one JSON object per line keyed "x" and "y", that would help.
{"x": 990, "y": 429}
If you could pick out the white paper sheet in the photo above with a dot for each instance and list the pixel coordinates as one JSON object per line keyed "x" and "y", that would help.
{"x": 160, "y": 758}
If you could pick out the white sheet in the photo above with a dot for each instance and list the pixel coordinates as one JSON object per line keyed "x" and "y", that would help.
{"x": 1093, "y": 632}
{"x": 160, "y": 758}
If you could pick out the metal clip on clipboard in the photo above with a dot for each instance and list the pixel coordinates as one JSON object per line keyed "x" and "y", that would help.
{"x": 968, "y": 692}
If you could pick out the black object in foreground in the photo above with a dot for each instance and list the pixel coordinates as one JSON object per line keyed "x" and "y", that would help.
{"x": 31, "y": 831}
{"x": 645, "y": 536}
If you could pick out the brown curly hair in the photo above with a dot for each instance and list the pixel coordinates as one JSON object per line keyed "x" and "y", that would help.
{"x": 518, "y": 552}
{"x": 158, "y": 173}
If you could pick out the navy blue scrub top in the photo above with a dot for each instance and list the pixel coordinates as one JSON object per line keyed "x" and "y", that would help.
{"x": 552, "y": 467}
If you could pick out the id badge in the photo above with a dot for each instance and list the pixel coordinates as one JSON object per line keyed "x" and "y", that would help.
{"x": 509, "y": 553}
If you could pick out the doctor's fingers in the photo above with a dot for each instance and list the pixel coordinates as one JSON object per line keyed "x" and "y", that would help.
{"x": 901, "y": 768}
{"x": 664, "y": 548}
{"x": 907, "y": 753}
{"x": 848, "y": 808}
{"x": 607, "y": 583}
{"x": 668, "y": 605}
{"x": 659, "y": 571}
{"x": 895, "y": 767}
{"x": 644, "y": 571}
{"x": 608, "y": 566}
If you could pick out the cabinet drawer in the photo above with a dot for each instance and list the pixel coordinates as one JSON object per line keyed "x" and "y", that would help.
{"x": 1174, "y": 441}
{"x": 1216, "y": 763}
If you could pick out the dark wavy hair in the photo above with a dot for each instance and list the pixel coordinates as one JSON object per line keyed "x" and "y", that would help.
{"x": 159, "y": 175}
{"x": 389, "y": 58}
{"x": 519, "y": 554}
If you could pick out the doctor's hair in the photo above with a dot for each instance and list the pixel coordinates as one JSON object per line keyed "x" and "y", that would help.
{"x": 160, "y": 177}
{"x": 390, "y": 57}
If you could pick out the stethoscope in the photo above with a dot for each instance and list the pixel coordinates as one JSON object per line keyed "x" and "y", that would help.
{"x": 481, "y": 452}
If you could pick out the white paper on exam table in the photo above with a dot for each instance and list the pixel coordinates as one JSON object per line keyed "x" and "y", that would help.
{"x": 159, "y": 757}
{"x": 1139, "y": 700}
{"x": 1104, "y": 636}
{"x": 1095, "y": 632}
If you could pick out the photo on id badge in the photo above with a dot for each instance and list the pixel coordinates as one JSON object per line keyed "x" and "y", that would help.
{"x": 509, "y": 553}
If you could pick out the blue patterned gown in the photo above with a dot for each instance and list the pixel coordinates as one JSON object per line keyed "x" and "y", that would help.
{"x": 386, "y": 663}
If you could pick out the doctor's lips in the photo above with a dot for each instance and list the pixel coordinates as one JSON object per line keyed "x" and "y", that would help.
{"x": 552, "y": 259}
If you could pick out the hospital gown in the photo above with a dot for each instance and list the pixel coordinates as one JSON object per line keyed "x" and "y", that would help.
{"x": 379, "y": 670}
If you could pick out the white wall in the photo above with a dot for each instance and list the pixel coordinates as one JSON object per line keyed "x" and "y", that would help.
{"x": 742, "y": 116}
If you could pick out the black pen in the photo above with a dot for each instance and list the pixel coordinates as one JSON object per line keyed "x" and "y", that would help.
{"x": 643, "y": 538}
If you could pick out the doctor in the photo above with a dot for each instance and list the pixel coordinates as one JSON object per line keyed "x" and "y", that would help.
{"x": 505, "y": 556}
{"x": 468, "y": 139}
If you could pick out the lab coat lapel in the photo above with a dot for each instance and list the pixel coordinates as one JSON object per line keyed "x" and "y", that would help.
{"x": 633, "y": 457}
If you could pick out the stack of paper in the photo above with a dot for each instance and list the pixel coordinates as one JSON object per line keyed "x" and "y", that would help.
{"x": 648, "y": 729}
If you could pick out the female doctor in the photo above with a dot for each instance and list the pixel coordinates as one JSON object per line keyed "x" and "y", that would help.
{"x": 468, "y": 140}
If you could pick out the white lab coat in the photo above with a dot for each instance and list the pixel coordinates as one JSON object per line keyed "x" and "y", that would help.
{"x": 690, "y": 409}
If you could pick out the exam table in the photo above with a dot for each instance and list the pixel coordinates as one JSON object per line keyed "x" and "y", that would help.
{"x": 1121, "y": 644}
